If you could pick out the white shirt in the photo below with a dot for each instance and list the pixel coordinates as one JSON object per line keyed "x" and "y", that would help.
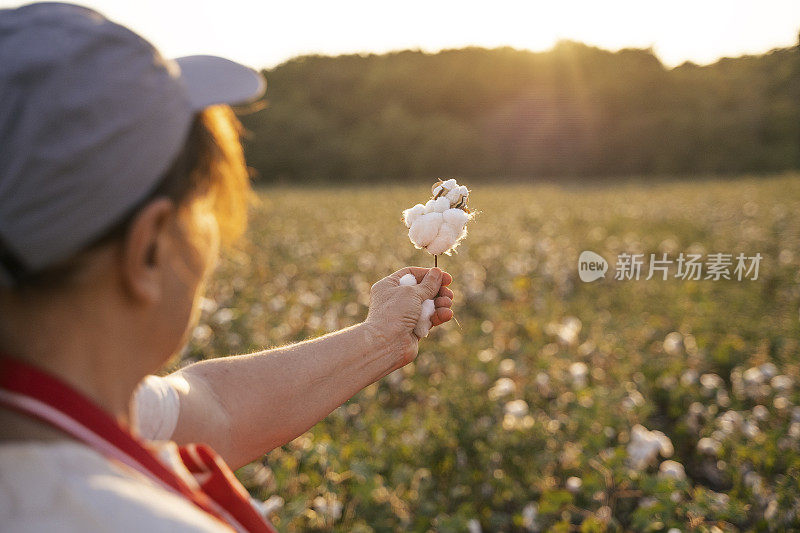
{"x": 66, "y": 486}
{"x": 155, "y": 408}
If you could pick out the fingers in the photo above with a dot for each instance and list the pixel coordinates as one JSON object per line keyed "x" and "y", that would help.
{"x": 441, "y": 315}
{"x": 431, "y": 283}
{"x": 443, "y": 301}
{"x": 419, "y": 273}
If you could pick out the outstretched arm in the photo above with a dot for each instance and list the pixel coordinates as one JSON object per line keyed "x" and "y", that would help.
{"x": 246, "y": 405}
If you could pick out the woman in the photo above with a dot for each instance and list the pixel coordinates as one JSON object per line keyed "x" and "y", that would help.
{"x": 121, "y": 173}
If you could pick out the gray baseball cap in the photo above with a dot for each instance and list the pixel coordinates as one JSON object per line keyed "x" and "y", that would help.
{"x": 91, "y": 117}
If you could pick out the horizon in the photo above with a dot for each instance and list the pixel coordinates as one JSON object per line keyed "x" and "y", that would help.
{"x": 265, "y": 36}
{"x": 544, "y": 51}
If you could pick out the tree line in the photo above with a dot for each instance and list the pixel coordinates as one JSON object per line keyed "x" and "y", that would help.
{"x": 483, "y": 114}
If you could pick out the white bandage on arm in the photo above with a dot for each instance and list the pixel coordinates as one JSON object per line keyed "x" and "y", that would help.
{"x": 424, "y": 322}
{"x": 155, "y": 408}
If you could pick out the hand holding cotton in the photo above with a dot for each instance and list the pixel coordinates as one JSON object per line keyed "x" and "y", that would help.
{"x": 439, "y": 225}
{"x": 424, "y": 322}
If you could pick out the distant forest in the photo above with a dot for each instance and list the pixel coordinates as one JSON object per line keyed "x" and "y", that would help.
{"x": 573, "y": 111}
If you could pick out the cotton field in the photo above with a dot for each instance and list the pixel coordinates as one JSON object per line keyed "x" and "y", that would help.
{"x": 615, "y": 405}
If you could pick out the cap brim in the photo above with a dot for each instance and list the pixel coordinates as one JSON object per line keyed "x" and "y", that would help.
{"x": 212, "y": 80}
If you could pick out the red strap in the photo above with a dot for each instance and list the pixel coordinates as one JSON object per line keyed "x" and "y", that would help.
{"x": 219, "y": 482}
{"x": 32, "y": 391}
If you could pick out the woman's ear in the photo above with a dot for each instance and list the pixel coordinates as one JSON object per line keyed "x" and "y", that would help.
{"x": 143, "y": 260}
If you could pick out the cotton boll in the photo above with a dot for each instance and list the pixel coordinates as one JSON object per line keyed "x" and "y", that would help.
{"x": 453, "y": 196}
{"x": 672, "y": 469}
{"x": 439, "y": 235}
{"x": 456, "y": 218}
{"x": 645, "y": 446}
{"x": 456, "y": 194}
{"x": 408, "y": 280}
{"x": 413, "y": 213}
{"x": 428, "y": 308}
{"x": 329, "y": 507}
{"x": 424, "y": 323}
{"x": 574, "y": 484}
{"x": 502, "y": 387}
{"x": 443, "y": 241}
{"x": 424, "y": 229}
{"x": 449, "y": 235}
{"x": 440, "y": 205}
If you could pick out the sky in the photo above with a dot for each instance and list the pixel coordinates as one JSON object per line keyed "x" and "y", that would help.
{"x": 263, "y": 34}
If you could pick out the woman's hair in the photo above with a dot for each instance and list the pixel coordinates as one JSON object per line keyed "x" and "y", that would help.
{"x": 208, "y": 173}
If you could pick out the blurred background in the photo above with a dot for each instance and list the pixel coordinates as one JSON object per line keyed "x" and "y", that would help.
{"x": 362, "y": 91}
{"x": 620, "y": 127}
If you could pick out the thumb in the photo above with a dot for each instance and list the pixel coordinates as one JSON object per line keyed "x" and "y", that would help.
{"x": 431, "y": 283}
